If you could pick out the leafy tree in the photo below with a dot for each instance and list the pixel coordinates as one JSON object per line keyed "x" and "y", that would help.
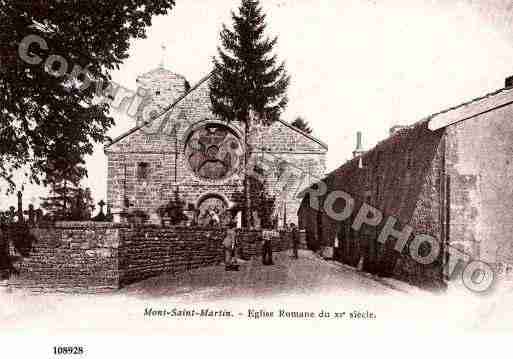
{"x": 248, "y": 84}
{"x": 82, "y": 205}
{"x": 58, "y": 205}
{"x": 67, "y": 200}
{"x": 302, "y": 124}
{"x": 174, "y": 210}
{"x": 43, "y": 112}
{"x": 7, "y": 217}
{"x": 263, "y": 202}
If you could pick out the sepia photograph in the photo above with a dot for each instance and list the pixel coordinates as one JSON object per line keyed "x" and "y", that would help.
{"x": 254, "y": 167}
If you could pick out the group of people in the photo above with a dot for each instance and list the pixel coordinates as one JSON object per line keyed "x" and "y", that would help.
{"x": 230, "y": 246}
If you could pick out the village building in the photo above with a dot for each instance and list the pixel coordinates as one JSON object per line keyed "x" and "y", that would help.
{"x": 190, "y": 153}
{"x": 449, "y": 176}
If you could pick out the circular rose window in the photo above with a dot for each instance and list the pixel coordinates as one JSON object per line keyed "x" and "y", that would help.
{"x": 214, "y": 152}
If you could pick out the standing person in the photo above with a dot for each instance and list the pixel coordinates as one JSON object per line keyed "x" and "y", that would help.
{"x": 295, "y": 240}
{"x": 267, "y": 250}
{"x": 229, "y": 248}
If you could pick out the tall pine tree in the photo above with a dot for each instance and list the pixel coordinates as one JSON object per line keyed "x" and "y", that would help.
{"x": 248, "y": 84}
{"x": 59, "y": 205}
{"x": 65, "y": 170}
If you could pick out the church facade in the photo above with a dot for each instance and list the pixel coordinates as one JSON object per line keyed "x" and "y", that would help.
{"x": 190, "y": 154}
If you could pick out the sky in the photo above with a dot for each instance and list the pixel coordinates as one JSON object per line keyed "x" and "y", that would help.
{"x": 356, "y": 65}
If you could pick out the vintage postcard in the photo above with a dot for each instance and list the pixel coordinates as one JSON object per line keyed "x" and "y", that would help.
{"x": 254, "y": 167}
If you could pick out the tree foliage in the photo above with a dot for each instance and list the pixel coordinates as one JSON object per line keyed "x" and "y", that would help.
{"x": 248, "y": 84}
{"x": 247, "y": 75}
{"x": 302, "y": 124}
{"x": 45, "y": 115}
{"x": 68, "y": 202}
{"x": 173, "y": 210}
{"x": 67, "y": 199}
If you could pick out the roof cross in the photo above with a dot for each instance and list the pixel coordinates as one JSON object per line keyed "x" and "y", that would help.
{"x": 163, "y": 59}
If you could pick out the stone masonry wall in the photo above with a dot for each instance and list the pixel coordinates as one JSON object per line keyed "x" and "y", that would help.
{"x": 149, "y": 251}
{"x": 74, "y": 256}
{"x": 99, "y": 257}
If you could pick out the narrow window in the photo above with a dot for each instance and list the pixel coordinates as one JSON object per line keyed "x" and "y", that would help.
{"x": 378, "y": 160}
{"x": 409, "y": 159}
{"x": 143, "y": 169}
{"x": 379, "y": 187}
{"x": 157, "y": 92}
{"x": 377, "y": 175}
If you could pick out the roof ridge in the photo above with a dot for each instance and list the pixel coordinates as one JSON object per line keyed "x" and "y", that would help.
{"x": 479, "y": 98}
{"x": 177, "y": 101}
{"x": 163, "y": 112}
{"x": 313, "y": 138}
{"x": 160, "y": 69}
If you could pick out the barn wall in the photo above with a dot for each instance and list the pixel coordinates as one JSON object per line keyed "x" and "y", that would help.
{"x": 401, "y": 177}
{"x": 480, "y": 167}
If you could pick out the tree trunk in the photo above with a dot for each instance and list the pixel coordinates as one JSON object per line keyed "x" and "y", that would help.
{"x": 65, "y": 200}
{"x": 247, "y": 190}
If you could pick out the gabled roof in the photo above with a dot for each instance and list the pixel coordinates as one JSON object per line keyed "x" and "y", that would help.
{"x": 470, "y": 109}
{"x": 157, "y": 70}
{"x": 315, "y": 139}
{"x": 181, "y": 98}
{"x": 168, "y": 108}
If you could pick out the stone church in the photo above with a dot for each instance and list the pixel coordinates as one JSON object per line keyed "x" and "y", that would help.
{"x": 190, "y": 153}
